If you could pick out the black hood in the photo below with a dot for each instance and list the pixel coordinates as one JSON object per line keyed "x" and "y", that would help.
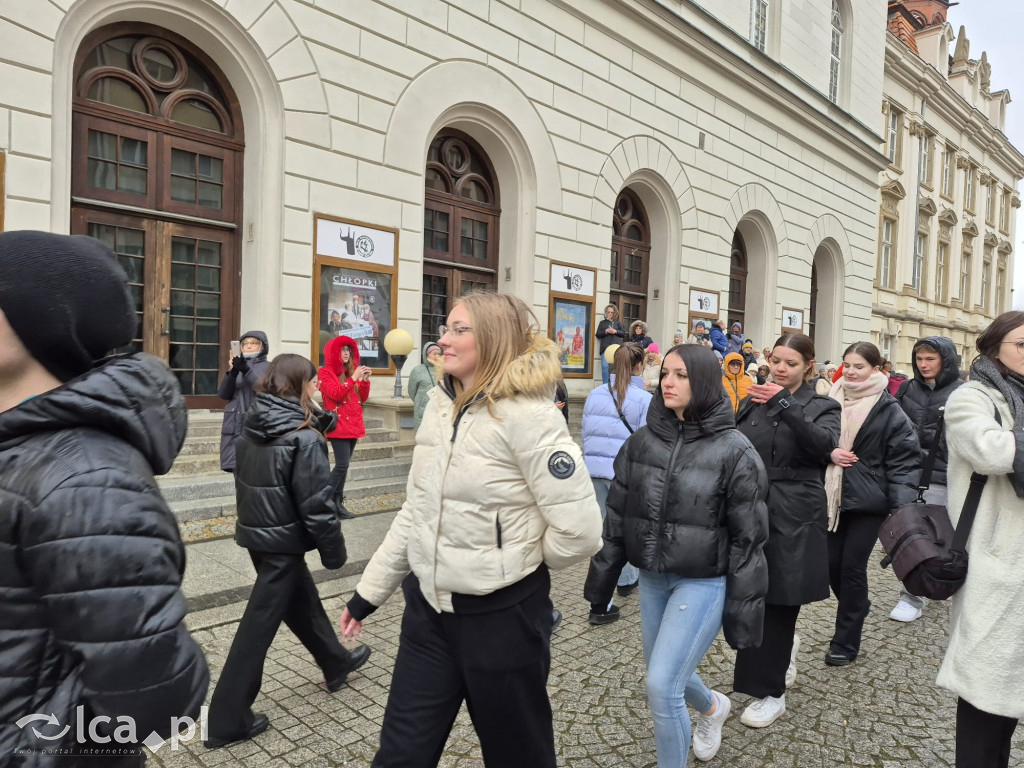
{"x": 133, "y": 397}
{"x": 947, "y": 351}
{"x": 663, "y": 421}
{"x": 263, "y": 339}
{"x": 270, "y": 417}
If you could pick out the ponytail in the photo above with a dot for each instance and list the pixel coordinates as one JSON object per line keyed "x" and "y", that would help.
{"x": 627, "y": 357}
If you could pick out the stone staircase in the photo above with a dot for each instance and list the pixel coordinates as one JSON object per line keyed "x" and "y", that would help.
{"x": 202, "y": 497}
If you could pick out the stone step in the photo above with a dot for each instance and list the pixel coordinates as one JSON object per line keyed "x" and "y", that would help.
{"x": 369, "y": 451}
{"x": 175, "y": 489}
{"x": 375, "y": 469}
{"x": 203, "y": 509}
{"x": 362, "y": 489}
{"x": 200, "y": 445}
{"x": 193, "y": 466}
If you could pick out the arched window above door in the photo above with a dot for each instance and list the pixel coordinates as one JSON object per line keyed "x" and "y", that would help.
{"x": 630, "y": 257}
{"x": 738, "y": 280}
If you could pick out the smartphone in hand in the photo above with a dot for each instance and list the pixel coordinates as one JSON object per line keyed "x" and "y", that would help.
{"x": 236, "y": 349}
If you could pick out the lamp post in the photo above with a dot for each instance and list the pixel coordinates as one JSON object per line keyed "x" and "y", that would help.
{"x": 398, "y": 344}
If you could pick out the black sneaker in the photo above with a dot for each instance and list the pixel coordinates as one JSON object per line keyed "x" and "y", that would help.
{"x": 837, "y": 659}
{"x": 259, "y": 725}
{"x": 627, "y": 589}
{"x": 556, "y": 619}
{"x": 597, "y": 619}
{"x": 356, "y": 660}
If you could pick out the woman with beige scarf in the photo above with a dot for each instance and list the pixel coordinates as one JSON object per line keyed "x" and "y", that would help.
{"x": 874, "y": 469}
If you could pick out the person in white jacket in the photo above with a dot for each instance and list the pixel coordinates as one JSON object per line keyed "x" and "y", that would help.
{"x": 984, "y": 662}
{"x": 498, "y": 495}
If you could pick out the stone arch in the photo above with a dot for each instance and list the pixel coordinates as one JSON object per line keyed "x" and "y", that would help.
{"x": 829, "y": 249}
{"x": 486, "y": 105}
{"x": 262, "y": 101}
{"x": 754, "y": 211}
{"x": 650, "y": 169}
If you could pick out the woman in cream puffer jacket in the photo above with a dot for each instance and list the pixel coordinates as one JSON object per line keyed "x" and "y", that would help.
{"x": 498, "y": 494}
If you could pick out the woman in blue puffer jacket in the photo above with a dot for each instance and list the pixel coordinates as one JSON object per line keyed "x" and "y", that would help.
{"x": 606, "y": 414}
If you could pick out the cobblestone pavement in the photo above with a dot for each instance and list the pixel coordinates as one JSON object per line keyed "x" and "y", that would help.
{"x": 883, "y": 710}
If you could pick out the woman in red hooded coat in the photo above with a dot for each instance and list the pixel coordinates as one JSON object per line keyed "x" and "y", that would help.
{"x": 345, "y": 386}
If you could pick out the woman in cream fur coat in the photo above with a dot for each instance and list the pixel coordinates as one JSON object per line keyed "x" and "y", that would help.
{"x": 984, "y": 663}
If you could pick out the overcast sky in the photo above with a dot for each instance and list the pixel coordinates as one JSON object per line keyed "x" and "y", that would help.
{"x": 995, "y": 26}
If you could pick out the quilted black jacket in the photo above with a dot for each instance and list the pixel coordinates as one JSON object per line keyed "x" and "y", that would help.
{"x": 688, "y": 499}
{"x": 91, "y": 562}
{"x": 282, "y": 484}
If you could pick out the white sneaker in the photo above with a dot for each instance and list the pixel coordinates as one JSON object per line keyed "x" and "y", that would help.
{"x": 707, "y": 736}
{"x": 904, "y": 611}
{"x": 764, "y": 712}
{"x": 791, "y": 672}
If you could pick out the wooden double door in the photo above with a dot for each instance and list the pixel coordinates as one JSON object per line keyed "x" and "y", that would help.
{"x": 181, "y": 278}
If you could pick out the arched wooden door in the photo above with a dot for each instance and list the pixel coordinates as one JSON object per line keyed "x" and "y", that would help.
{"x": 631, "y": 258}
{"x": 157, "y": 175}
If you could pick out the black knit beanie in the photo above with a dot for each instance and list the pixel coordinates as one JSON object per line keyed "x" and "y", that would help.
{"x": 66, "y": 298}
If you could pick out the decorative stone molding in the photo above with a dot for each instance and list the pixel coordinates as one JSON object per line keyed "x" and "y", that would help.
{"x": 1015, "y": 200}
{"x": 970, "y": 229}
{"x": 986, "y": 177}
{"x": 991, "y": 239}
{"x": 1004, "y": 248}
{"x": 917, "y": 127}
{"x": 963, "y": 162}
{"x": 927, "y": 208}
{"x": 947, "y": 218}
{"x": 894, "y": 190}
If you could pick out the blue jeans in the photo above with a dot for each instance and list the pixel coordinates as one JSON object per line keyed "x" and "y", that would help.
{"x": 605, "y": 376}
{"x": 679, "y": 620}
{"x": 630, "y": 573}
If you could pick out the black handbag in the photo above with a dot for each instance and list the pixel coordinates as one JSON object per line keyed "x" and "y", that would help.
{"x": 926, "y": 553}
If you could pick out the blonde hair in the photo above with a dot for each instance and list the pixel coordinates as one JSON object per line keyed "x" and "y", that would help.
{"x": 503, "y": 329}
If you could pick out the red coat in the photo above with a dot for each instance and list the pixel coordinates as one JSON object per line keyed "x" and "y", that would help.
{"x": 341, "y": 392}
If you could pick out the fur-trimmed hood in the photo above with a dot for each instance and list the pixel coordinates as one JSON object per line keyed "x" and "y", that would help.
{"x": 536, "y": 372}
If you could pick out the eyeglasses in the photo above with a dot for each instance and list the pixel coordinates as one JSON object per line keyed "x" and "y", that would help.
{"x": 454, "y": 330}
{"x": 1018, "y": 344}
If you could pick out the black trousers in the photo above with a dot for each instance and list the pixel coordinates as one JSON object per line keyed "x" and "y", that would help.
{"x": 498, "y": 662}
{"x": 849, "y": 548}
{"x": 982, "y": 739}
{"x": 284, "y": 591}
{"x": 343, "y": 448}
{"x": 761, "y": 671}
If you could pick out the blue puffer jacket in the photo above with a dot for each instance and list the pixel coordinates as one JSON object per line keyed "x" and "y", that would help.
{"x": 603, "y": 430}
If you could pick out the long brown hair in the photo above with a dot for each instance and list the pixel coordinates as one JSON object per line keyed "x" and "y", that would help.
{"x": 287, "y": 377}
{"x": 503, "y": 328}
{"x": 627, "y": 357}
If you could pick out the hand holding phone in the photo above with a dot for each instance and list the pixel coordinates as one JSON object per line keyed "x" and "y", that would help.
{"x": 236, "y": 348}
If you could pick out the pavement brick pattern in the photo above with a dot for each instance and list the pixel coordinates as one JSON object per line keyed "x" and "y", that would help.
{"x": 882, "y": 711}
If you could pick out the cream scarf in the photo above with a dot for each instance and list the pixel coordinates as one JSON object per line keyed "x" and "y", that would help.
{"x": 857, "y": 400}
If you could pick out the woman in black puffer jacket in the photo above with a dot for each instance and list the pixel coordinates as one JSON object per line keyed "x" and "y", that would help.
{"x": 687, "y": 507}
{"x": 285, "y": 509}
{"x": 874, "y": 469}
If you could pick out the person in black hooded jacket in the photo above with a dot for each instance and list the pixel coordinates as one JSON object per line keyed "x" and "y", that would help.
{"x": 286, "y": 508}
{"x": 874, "y": 469}
{"x": 923, "y": 399}
{"x": 91, "y": 561}
{"x": 237, "y": 388}
{"x": 687, "y": 507}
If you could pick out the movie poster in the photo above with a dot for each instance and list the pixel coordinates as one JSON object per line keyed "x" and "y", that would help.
{"x": 572, "y": 334}
{"x": 356, "y": 304}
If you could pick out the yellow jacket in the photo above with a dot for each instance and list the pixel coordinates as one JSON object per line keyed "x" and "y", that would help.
{"x": 736, "y": 385}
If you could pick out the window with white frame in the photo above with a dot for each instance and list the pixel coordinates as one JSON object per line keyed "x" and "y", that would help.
{"x": 948, "y": 168}
{"x": 969, "y": 178}
{"x": 965, "y": 278}
{"x": 1004, "y": 211}
{"x": 886, "y": 253}
{"x": 917, "y": 275}
{"x": 892, "y": 135}
{"x": 1001, "y": 287}
{"x": 924, "y": 171}
{"x": 759, "y": 23}
{"x": 835, "y": 60}
{"x": 941, "y": 263}
{"x": 986, "y": 271}
{"x": 886, "y": 344}
{"x": 990, "y": 204}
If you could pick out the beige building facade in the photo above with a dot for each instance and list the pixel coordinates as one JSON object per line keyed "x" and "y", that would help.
{"x": 718, "y": 156}
{"x": 948, "y": 197}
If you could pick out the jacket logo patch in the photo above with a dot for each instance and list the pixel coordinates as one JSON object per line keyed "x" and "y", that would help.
{"x": 561, "y": 465}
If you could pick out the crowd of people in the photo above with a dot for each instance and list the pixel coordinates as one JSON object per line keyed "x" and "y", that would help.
{"x": 728, "y": 488}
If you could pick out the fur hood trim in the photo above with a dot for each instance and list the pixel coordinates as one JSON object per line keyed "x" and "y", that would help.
{"x": 535, "y": 372}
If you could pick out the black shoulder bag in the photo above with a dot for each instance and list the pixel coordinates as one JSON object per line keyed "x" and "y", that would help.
{"x": 926, "y": 553}
{"x": 618, "y": 410}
